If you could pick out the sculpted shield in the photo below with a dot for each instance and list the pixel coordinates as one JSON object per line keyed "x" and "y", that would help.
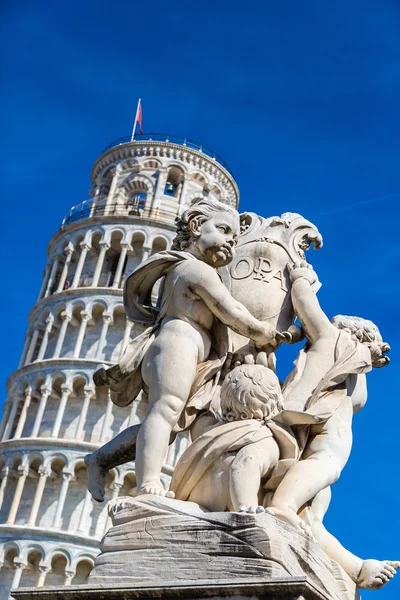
{"x": 258, "y": 276}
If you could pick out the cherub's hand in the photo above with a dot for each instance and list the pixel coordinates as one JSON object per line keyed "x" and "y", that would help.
{"x": 302, "y": 270}
{"x": 378, "y": 351}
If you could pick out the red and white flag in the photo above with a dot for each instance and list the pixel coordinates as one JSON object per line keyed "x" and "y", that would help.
{"x": 138, "y": 119}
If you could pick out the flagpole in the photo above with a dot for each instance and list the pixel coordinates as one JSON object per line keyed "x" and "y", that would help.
{"x": 136, "y": 118}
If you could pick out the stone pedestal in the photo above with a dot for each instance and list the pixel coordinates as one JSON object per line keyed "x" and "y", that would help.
{"x": 290, "y": 588}
{"x": 163, "y": 548}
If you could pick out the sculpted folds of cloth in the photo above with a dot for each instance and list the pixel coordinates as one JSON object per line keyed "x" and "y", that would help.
{"x": 231, "y": 290}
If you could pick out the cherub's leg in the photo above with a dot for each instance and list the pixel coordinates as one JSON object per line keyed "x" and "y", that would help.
{"x": 321, "y": 465}
{"x": 250, "y": 465}
{"x": 117, "y": 451}
{"x": 169, "y": 369}
{"x": 368, "y": 574}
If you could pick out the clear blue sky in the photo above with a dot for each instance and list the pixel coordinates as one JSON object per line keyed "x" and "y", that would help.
{"x": 301, "y": 98}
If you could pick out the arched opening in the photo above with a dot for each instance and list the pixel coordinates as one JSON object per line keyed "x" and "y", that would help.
{"x": 136, "y": 203}
{"x": 31, "y": 572}
{"x": 51, "y": 493}
{"x": 7, "y": 571}
{"x": 56, "y": 576}
{"x": 75, "y": 516}
{"x": 89, "y": 266}
{"x": 135, "y": 256}
{"x": 33, "y": 407}
{"x": 90, "y": 342}
{"x": 111, "y": 260}
{"x": 29, "y": 491}
{"x": 52, "y": 405}
{"x": 174, "y": 181}
{"x": 159, "y": 243}
{"x": 82, "y": 573}
{"x": 74, "y": 408}
{"x": 75, "y": 258}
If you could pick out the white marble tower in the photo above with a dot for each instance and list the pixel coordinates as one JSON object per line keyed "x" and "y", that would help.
{"x": 49, "y": 526}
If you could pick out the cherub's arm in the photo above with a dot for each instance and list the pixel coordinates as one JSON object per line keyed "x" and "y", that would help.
{"x": 307, "y": 308}
{"x": 205, "y": 282}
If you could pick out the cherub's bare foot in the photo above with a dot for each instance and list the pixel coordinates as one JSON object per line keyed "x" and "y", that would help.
{"x": 251, "y": 509}
{"x": 156, "y": 488}
{"x": 289, "y": 516}
{"x": 375, "y": 574}
{"x": 97, "y": 477}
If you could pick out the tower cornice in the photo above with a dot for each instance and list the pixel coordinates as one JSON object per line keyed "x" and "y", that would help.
{"x": 153, "y": 148}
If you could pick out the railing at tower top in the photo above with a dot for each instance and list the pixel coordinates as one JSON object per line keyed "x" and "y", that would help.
{"x": 88, "y": 209}
{"x": 173, "y": 139}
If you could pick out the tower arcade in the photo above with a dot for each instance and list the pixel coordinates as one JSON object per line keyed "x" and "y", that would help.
{"x": 50, "y": 528}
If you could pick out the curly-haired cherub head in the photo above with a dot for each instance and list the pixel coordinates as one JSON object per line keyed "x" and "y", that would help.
{"x": 209, "y": 229}
{"x": 251, "y": 392}
{"x": 367, "y": 333}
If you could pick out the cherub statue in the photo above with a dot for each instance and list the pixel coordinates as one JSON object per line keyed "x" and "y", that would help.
{"x": 176, "y": 355}
{"x": 222, "y": 469}
{"x": 229, "y": 465}
{"x": 325, "y": 389}
{"x": 329, "y": 385}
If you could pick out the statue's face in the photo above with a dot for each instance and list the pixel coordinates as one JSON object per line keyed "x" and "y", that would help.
{"x": 217, "y": 238}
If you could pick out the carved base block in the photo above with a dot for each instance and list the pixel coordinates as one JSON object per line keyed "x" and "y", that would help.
{"x": 163, "y": 548}
{"x": 290, "y": 588}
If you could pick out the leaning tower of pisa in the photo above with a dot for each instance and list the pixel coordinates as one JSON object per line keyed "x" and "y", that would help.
{"x": 50, "y": 528}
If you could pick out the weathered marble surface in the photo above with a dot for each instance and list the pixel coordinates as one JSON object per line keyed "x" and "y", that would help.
{"x": 161, "y": 541}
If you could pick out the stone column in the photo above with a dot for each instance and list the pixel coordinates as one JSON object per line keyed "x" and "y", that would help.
{"x": 65, "y": 392}
{"x": 79, "y": 267}
{"x": 45, "y": 340}
{"x": 146, "y": 253}
{"x": 39, "y": 415}
{"x": 24, "y": 413}
{"x": 25, "y": 350}
{"x": 69, "y": 575}
{"x": 116, "y": 488}
{"x": 11, "y": 419}
{"x": 19, "y": 567}
{"x": 160, "y": 187}
{"x": 100, "y": 262}
{"x": 120, "y": 266}
{"x": 85, "y": 318}
{"x": 5, "y": 472}
{"x": 82, "y": 417}
{"x": 66, "y": 476}
{"x": 107, "y": 415}
{"x": 113, "y": 187}
{"x": 44, "y": 473}
{"x": 43, "y": 570}
{"x": 64, "y": 274}
{"x": 84, "y": 518}
{"x": 32, "y": 345}
{"x": 182, "y": 195}
{"x": 44, "y": 282}
{"x": 6, "y": 414}
{"x": 52, "y": 275}
{"x": 65, "y": 317}
{"x": 22, "y": 474}
{"x": 127, "y": 336}
{"x": 107, "y": 318}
